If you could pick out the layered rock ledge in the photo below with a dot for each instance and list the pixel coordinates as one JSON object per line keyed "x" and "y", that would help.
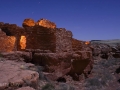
{"x": 14, "y": 75}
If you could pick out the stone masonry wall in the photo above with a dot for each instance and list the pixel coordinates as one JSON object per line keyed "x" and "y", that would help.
{"x": 6, "y": 42}
{"x": 77, "y": 44}
{"x": 63, "y": 40}
{"x": 13, "y": 30}
{"x": 39, "y": 37}
{"x": 42, "y": 38}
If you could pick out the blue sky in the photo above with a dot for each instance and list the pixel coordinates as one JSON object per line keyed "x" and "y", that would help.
{"x": 87, "y": 19}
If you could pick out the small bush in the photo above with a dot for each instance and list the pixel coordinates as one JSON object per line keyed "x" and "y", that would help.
{"x": 93, "y": 82}
{"x": 48, "y": 86}
{"x": 108, "y": 63}
{"x": 64, "y": 86}
{"x": 101, "y": 74}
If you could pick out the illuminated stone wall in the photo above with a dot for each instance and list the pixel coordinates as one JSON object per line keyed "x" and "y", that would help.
{"x": 46, "y": 23}
{"x": 12, "y": 30}
{"x": 44, "y": 36}
{"x": 7, "y": 43}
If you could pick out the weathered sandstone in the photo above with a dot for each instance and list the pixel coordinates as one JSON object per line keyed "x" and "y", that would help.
{"x": 14, "y": 74}
{"x": 28, "y": 22}
{"x": 46, "y": 23}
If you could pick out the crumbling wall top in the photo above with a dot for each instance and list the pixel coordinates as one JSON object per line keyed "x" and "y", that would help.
{"x": 28, "y": 22}
{"x": 46, "y": 23}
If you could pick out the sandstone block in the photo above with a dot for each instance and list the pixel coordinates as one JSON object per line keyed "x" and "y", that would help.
{"x": 28, "y": 22}
{"x": 46, "y": 23}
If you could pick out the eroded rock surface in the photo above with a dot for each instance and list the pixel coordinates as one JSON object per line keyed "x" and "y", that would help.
{"x": 14, "y": 74}
{"x": 65, "y": 63}
{"x": 26, "y": 88}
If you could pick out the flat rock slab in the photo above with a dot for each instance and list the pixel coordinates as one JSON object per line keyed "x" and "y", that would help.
{"x": 25, "y": 88}
{"x": 15, "y": 74}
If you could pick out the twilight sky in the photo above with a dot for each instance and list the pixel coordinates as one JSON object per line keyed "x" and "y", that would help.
{"x": 87, "y": 19}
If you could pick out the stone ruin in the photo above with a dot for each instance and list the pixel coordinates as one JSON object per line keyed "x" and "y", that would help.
{"x": 49, "y": 46}
{"x": 43, "y": 35}
{"x": 43, "y": 45}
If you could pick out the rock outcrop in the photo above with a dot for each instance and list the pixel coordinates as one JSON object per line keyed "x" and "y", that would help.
{"x": 81, "y": 63}
{"x": 105, "y": 51}
{"x": 58, "y": 65}
{"x": 26, "y": 88}
{"x": 16, "y": 74}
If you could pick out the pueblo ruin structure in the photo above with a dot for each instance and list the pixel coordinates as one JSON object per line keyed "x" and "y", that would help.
{"x": 48, "y": 46}
{"x": 42, "y": 35}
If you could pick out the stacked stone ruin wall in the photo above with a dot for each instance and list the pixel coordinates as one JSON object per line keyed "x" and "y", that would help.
{"x": 63, "y": 40}
{"x": 41, "y": 38}
{"x": 7, "y": 43}
{"x": 77, "y": 45}
{"x": 38, "y": 37}
{"x": 12, "y": 30}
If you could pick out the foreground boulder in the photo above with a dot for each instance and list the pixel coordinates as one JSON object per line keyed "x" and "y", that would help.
{"x": 82, "y": 62}
{"x": 16, "y": 56}
{"x": 56, "y": 65}
{"x": 14, "y": 74}
{"x": 59, "y": 65}
{"x": 26, "y": 88}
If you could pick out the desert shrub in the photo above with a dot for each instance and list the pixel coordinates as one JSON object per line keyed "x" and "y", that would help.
{"x": 64, "y": 86}
{"x": 92, "y": 82}
{"x": 101, "y": 74}
{"x": 107, "y": 75}
{"x": 92, "y": 88}
{"x": 95, "y": 83}
{"x": 108, "y": 63}
{"x": 48, "y": 86}
{"x": 104, "y": 75}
